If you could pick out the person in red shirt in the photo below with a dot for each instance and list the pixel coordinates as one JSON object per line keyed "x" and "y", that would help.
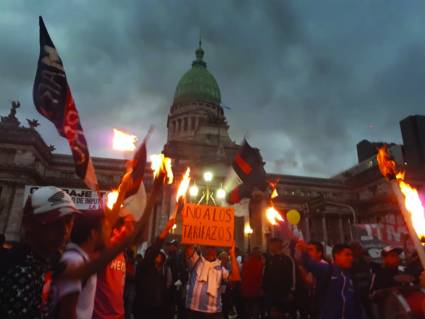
{"x": 109, "y": 299}
{"x": 251, "y": 291}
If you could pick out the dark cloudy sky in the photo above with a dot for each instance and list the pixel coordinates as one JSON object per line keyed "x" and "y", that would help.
{"x": 305, "y": 80}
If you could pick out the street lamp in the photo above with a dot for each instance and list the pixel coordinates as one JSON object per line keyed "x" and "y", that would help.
{"x": 193, "y": 191}
{"x": 208, "y": 176}
{"x": 221, "y": 193}
{"x": 248, "y": 232}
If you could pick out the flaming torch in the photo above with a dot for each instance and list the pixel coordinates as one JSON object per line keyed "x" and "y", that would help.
{"x": 161, "y": 168}
{"x": 181, "y": 194}
{"x": 160, "y": 163}
{"x": 123, "y": 141}
{"x": 408, "y": 199}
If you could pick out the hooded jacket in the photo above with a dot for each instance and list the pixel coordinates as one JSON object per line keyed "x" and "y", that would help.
{"x": 152, "y": 284}
{"x": 340, "y": 300}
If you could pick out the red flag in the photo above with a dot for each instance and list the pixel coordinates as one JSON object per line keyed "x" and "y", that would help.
{"x": 52, "y": 98}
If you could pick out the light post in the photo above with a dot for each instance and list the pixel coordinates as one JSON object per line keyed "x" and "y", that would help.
{"x": 208, "y": 177}
{"x": 209, "y": 194}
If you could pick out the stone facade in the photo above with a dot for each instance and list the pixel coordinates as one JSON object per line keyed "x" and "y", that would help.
{"x": 25, "y": 159}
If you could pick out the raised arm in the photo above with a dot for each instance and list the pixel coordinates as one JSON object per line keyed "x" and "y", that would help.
{"x": 155, "y": 248}
{"x": 317, "y": 268}
{"x": 235, "y": 274}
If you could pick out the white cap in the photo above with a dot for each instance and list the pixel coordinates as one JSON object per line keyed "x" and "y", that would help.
{"x": 48, "y": 204}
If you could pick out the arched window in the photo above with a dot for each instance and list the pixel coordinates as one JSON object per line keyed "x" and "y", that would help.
{"x": 185, "y": 124}
{"x": 179, "y": 125}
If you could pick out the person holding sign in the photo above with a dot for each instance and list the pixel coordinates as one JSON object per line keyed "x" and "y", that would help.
{"x": 206, "y": 275}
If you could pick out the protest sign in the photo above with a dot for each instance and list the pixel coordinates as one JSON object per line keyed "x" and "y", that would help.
{"x": 208, "y": 225}
{"x": 83, "y": 199}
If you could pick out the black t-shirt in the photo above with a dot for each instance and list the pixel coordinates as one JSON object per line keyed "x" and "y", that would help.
{"x": 24, "y": 285}
{"x": 279, "y": 276}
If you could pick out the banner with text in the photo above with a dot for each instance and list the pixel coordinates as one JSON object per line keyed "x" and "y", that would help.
{"x": 84, "y": 199}
{"x": 390, "y": 231}
{"x": 208, "y": 225}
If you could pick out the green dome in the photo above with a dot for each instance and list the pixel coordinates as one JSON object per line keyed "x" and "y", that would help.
{"x": 198, "y": 83}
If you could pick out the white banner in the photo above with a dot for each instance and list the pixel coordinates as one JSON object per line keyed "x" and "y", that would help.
{"x": 83, "y": 198}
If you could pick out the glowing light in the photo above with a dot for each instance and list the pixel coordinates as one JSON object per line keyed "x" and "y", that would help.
{"x": 184, "y": 185}
{"x": 193, "y": 191}
{"x": 247, "y": 229}
{"x": 123, "y": 141}
{"x": 273, "y": 216}
{"x": 111, "y": 199}
{"x": 208, "y": 176}
{"x": 274, "y": 194}
{"x": 221, "y": 193}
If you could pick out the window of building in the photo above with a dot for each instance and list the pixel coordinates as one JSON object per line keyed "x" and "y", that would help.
{"x": 185, "y": 124}
{"x": 179, "y": 125}
{"x": 193, "y": 122}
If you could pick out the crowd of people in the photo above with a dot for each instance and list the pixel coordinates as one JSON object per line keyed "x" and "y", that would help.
{"x": 80, "y": 265}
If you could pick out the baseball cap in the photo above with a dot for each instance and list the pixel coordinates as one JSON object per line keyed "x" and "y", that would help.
{"x": 48, "y": 204}
{"x": 173, "y": 242}
{"x": 388, "y": 249}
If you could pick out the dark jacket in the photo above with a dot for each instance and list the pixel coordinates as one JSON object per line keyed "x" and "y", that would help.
{"x": 340, "y": 299}
{"x": 383, "y": 278}
{"x": 152, "y": 284}
{"x": 279, "y": 280}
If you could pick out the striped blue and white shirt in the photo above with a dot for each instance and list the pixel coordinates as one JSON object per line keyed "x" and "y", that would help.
{"x": 197, "y": 296}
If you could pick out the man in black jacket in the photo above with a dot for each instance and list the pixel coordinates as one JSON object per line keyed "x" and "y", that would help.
{"x": 279, "y": 280}
{"x": 176, "y": 262}
{"x": 153, "y": 281}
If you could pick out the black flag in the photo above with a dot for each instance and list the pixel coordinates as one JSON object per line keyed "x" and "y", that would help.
{"x": 52, "y": 98}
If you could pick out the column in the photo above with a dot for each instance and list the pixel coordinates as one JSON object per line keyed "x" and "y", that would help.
{"x": 307, "y": 228}
{"x": 324, "y": 229}
{"x": 341, "y": 230}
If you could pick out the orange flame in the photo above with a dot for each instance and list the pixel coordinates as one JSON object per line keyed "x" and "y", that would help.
{"x": 184, "y": 185}
{"x": 412, "y": 201}
{"x": 123, "y": 141}
{"x": 386, "y": 165}
{"x": 414, "y": 206}
{"x": 168, "y": 170}
{"x": 273, "y": 216}
{"x": 161, "y": 163}
{"x": 111, "y": 199}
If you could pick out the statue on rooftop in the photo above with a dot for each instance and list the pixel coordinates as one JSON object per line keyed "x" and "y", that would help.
{"x": 11, "y": 119}
{"x": 33, "y": 123}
